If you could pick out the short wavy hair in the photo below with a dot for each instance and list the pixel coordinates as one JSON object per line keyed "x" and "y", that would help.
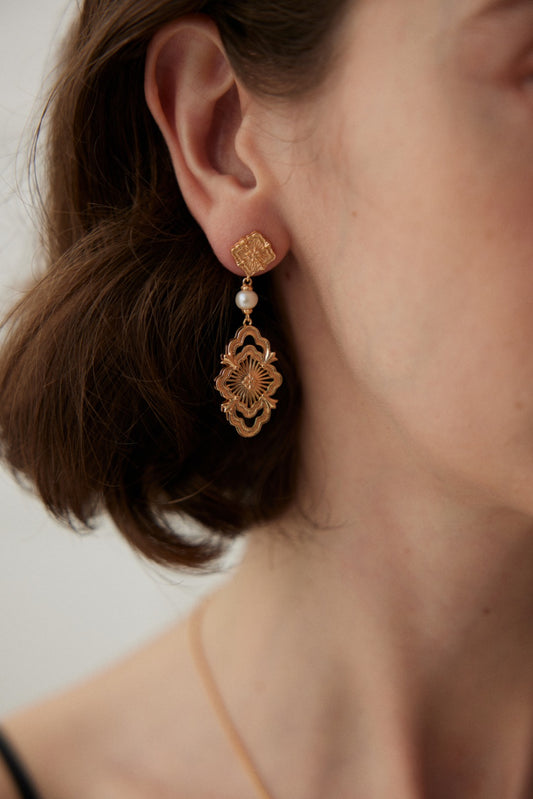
{"x": 106, "y": 374}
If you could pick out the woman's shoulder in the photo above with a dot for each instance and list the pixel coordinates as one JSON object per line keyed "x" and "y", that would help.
{"x": 7, "y": 786}
{"x": 139, "y": 730}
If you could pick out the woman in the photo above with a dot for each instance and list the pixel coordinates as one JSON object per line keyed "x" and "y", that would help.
{"x": 376, "y": 640}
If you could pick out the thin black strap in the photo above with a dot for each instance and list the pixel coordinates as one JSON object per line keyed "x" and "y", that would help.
{"x": 21, "y": 778}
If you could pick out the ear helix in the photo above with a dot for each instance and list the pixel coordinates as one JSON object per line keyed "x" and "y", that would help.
{"x": 248, "y": 379}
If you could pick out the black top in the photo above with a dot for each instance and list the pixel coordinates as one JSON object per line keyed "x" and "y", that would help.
{"x": 20, "y": 776}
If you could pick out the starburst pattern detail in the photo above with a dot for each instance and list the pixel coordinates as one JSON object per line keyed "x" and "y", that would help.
{"x": 248, "y": 381}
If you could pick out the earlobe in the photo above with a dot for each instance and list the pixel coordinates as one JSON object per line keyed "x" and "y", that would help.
{"x": 197, "y": 102}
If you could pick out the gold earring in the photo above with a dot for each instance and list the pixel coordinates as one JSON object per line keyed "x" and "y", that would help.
{"x": 248, "y": 379}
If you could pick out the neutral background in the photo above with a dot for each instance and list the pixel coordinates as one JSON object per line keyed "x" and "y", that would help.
{"x": 69, "y": 603}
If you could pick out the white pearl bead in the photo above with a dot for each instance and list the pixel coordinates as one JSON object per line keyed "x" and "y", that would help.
{"x": 246, "y": 300}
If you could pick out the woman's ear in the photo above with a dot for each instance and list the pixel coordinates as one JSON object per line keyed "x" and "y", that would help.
{"x": 200, "y": 108}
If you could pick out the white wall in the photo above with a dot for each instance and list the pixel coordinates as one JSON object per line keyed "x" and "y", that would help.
{"x": 68, "y": 603}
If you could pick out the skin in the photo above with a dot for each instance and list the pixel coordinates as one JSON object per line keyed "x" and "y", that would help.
{"x": 383, "y": 647}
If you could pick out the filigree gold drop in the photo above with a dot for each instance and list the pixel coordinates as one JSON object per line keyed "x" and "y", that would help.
{"x": 248, "y": 381}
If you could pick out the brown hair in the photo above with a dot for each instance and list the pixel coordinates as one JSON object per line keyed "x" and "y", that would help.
{"x": 106, "y": 378}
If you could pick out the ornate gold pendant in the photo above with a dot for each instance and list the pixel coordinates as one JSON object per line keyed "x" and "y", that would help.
{"x": 248, "y": 381}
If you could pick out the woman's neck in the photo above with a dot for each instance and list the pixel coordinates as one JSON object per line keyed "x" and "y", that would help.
{"x": 392, "y": 640}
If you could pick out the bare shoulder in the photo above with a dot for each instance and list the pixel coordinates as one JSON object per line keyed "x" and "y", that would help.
{"x": 140, "y": 729}
{"x": 7, "y": 789}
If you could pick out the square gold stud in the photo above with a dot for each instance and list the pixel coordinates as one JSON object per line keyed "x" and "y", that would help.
{"x": 253, "y": 253}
